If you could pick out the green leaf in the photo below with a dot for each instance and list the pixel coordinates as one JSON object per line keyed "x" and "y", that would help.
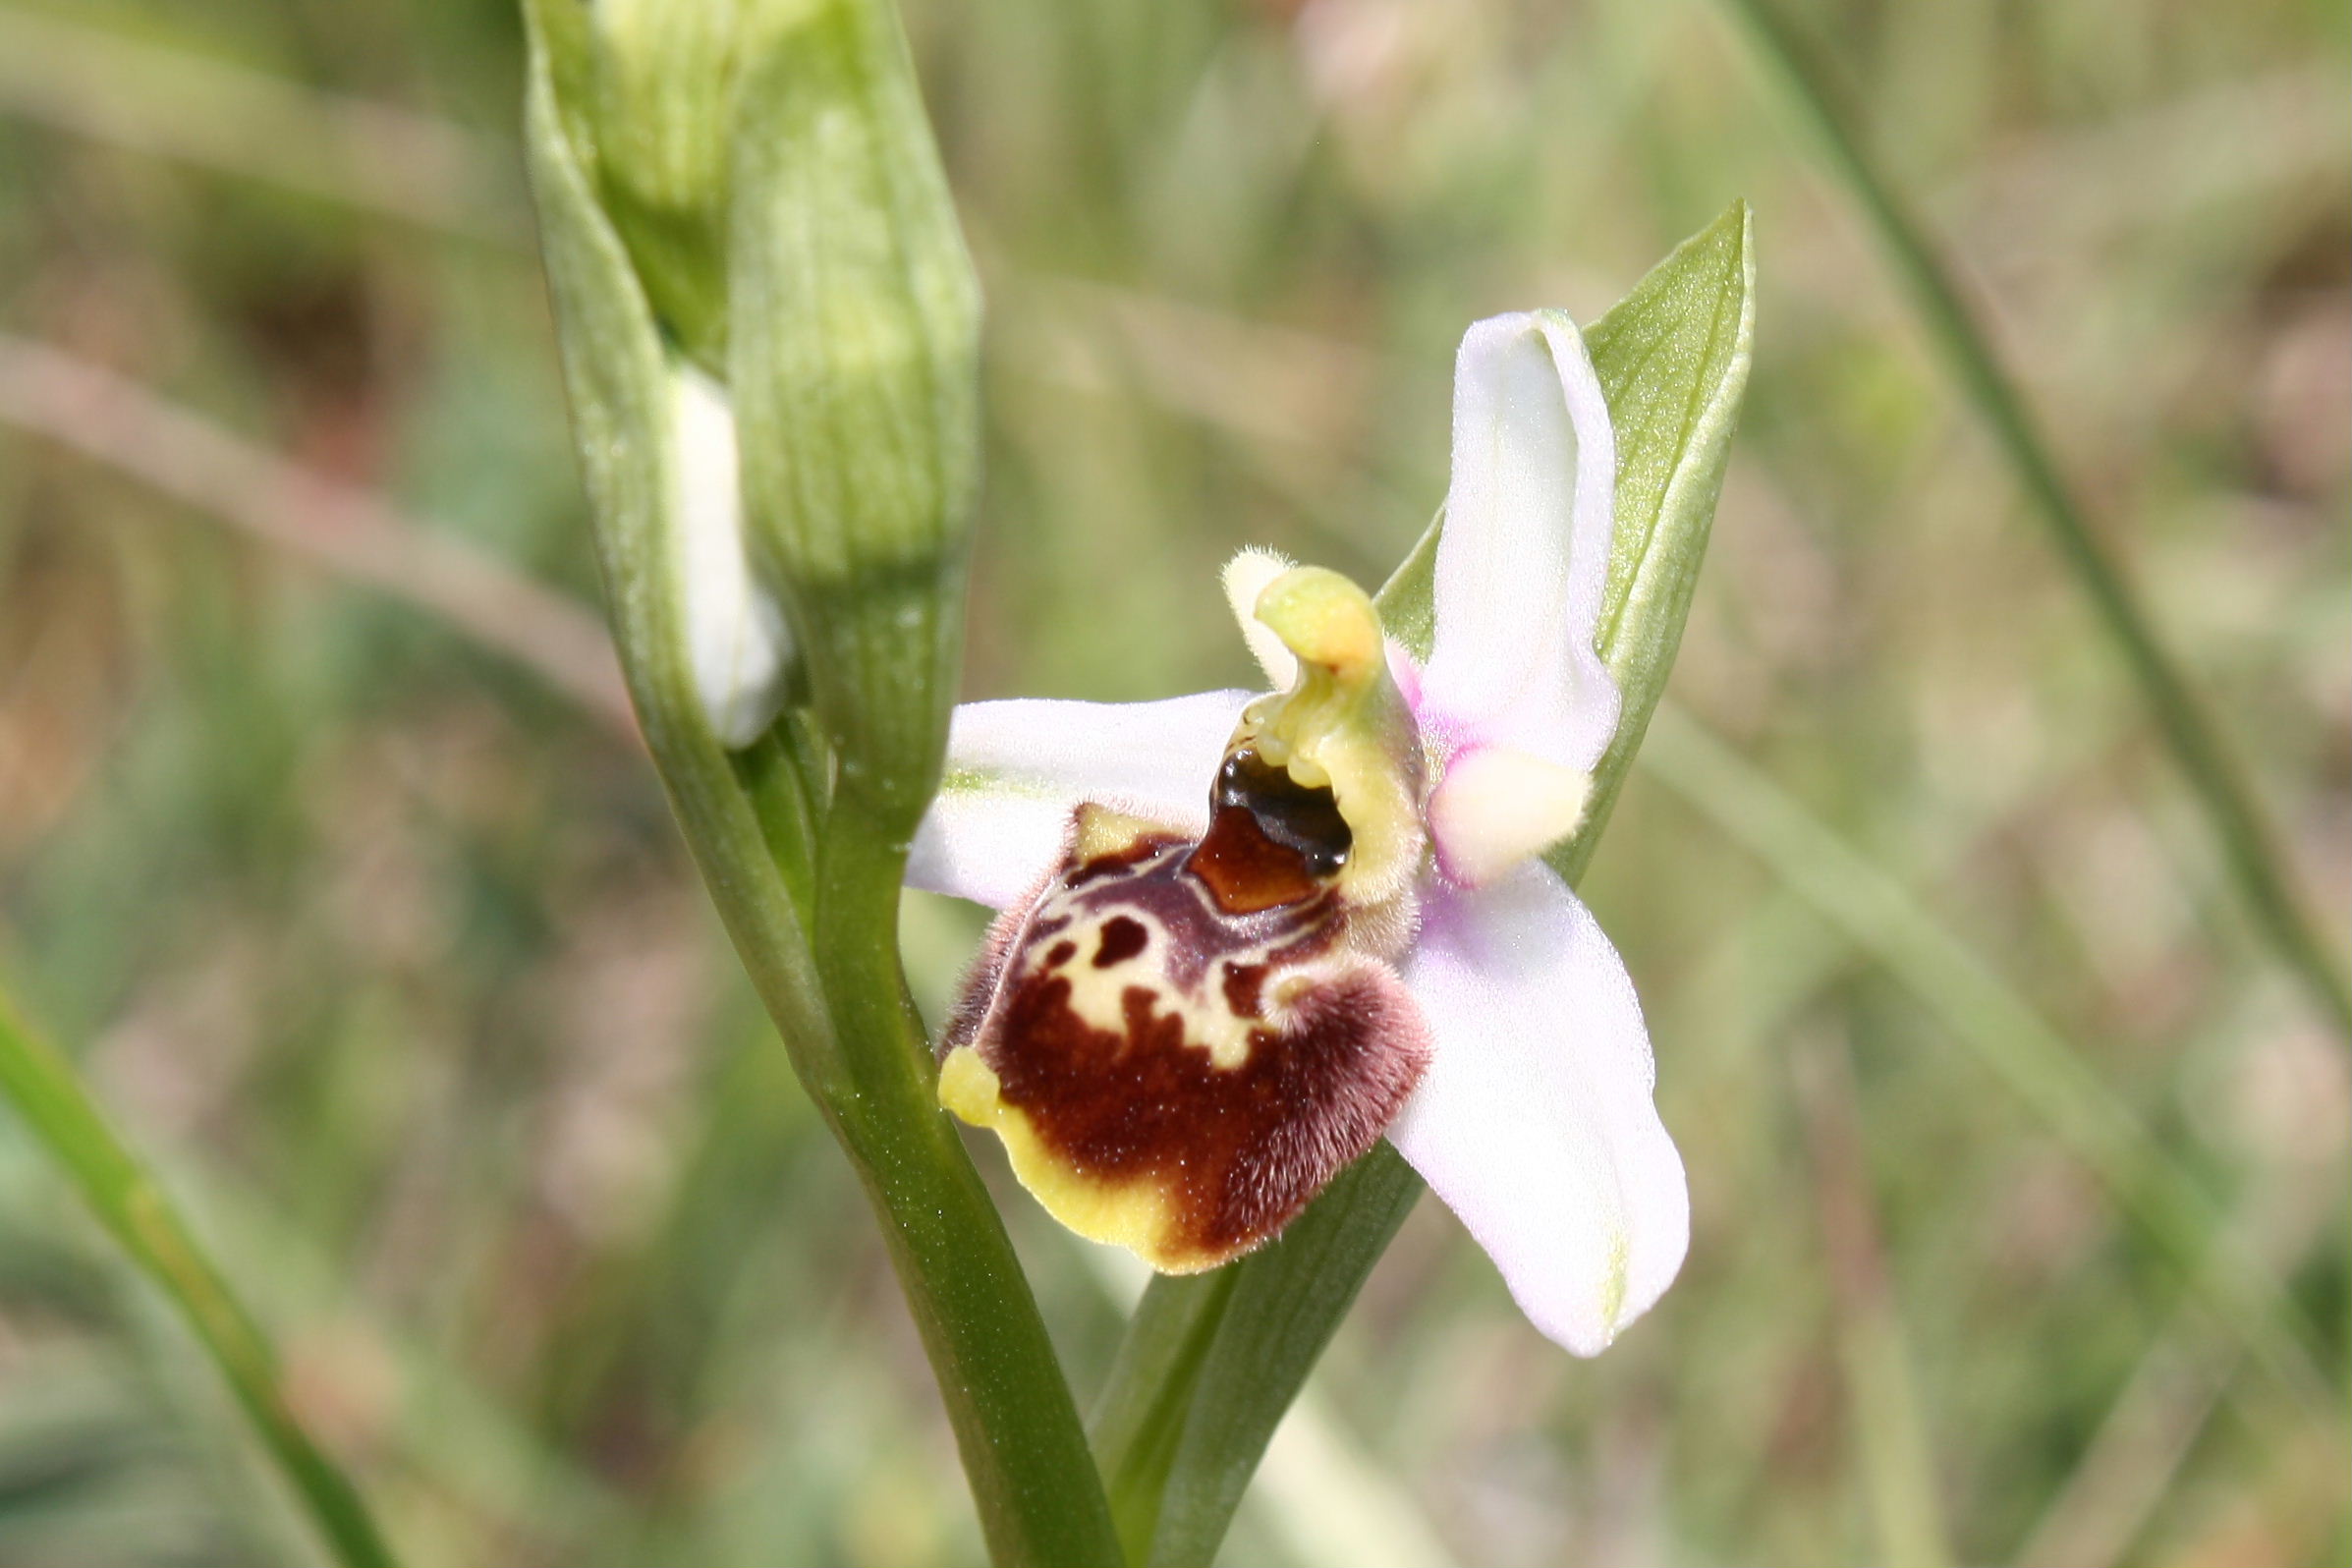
{"x": 2249, "y": 847}
{"x": 1142, "y": 1420}
{"x": 1672, "y": 358}
{"x": 1215, "y": 1359}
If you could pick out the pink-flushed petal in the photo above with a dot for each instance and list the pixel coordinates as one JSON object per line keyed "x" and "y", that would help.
{"x": 1535, "y": 1121}
{"x": 1016, "y": 771}
{"x": 1524, "y": 556}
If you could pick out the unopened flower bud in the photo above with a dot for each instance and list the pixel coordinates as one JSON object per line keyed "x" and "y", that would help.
{"x": 853, "y": 356}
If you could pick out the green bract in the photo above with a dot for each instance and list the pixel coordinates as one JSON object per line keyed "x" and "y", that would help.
{"x": 646, "y": 93}
{"x": 748, "y": 188}
{"x": 854, "y": 356}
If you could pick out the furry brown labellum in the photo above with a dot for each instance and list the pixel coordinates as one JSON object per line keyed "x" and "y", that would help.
{"x": 1182, "y": 1043}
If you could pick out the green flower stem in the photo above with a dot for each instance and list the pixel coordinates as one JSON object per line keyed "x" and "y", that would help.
{"x": 806, "y": 877}
{"x": 2248, "y": 847}
{"x": 133, "y": 1207}
{"x": 860, "y": 1050}
{"x": 1023, "y": 1448}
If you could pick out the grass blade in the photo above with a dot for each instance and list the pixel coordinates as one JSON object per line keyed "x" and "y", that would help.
{"x": 133, "y": 1207}
{"x": 2248, "y": 849}
{"x": 1898, "y": 1467}
{"x": 2007, "y": 1035}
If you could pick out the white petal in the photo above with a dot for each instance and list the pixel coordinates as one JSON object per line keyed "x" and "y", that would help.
{"x": 737, "y": 640}
{"x": 1535, "y": 1121}
{"x": 1016, "y": 771}
{"x": 1523, "y": 555}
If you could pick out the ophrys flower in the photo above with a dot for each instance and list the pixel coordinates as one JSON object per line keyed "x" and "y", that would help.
{"x": 1243, "y": 936}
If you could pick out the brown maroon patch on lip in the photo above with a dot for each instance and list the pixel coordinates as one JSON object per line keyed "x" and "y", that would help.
{"x": 1127, "y": 858}
{"x": 1130, "y": 1092}
{"x": 1245, "y": 990}
{"x": 1234, "y": 1152}
{"x": 1123, "y": 936}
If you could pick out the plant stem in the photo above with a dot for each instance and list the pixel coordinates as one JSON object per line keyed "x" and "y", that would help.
{"x": 133, "y": 1207}
{"x": 1022, "y": 1447}
{"x": 808, "y": 887}
{"x": 2251, "y": 854}
{"x": 860, "y": 1050}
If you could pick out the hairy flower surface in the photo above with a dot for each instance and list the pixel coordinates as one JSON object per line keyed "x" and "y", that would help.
{"x": 1243, "y": 936}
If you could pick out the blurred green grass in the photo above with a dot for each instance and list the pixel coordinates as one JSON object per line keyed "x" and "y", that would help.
{"x": 390, "y": 957}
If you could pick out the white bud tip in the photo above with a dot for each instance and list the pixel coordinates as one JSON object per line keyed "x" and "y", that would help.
{"x": 737, "y": 643}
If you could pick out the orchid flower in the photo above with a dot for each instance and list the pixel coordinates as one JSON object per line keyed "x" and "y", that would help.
{"x": 1245, "y": 936}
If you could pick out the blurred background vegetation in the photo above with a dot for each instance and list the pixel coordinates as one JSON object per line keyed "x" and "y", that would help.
{"x": 379, "y": 941}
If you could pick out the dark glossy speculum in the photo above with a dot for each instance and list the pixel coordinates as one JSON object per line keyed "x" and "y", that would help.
{"x": 1272, "y": 840}
{"x": 1299, "y": 818}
